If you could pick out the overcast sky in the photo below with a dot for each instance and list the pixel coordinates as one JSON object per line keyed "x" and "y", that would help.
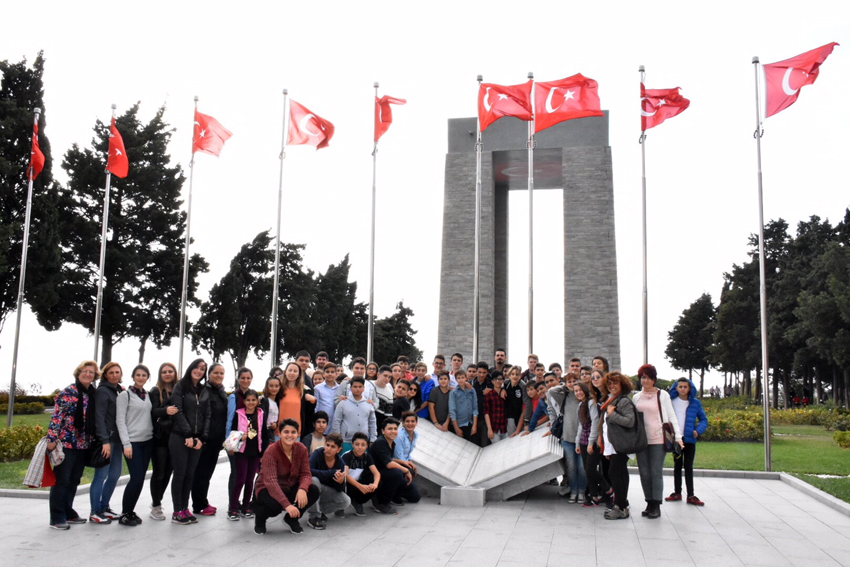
{"x": 701, "y": 165}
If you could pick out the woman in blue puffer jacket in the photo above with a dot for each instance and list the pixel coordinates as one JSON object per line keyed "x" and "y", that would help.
{"x": 693, "y": 422}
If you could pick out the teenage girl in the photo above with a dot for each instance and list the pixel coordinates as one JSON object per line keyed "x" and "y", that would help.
{"x": 250, "y": 421}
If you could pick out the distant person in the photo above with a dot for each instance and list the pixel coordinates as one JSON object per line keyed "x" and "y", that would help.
{"x": 135, "y": 428}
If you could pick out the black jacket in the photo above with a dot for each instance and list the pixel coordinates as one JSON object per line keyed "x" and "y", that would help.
{"x": 159, "y": 413}
{"x": 105, "y": 397}
{"x": 193, "y": 412}
{"x": 218, "y": 414}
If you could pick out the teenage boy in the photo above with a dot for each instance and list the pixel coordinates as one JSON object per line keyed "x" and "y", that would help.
{"x": 517, "y": 404}
{"x": 354, "y": 414}
{"x": 440, "y": 364}
{"x": 585, "y": 375}
{"x": 402, "y": 402}
{"x": 426, "y": 382}
{"x": 556, "y": 368}
{"x": 463, "y": 408}
{"x": 529, "y": 372}
{"x": 405, "y": 443}
{"x": 494, "y": 410}
{"x": 316, "y": 439}
{"x": 384, "y": 393}
{"x": 575, "y": 366}
{"x": 302, "y": 359}
{"x": 404, "y": 362}
{"x": 438, "y": 404}
{"x": 457, "y": 364}
{"x": 326, "y": 391}
{"x": 329, "y": 477}
{"x": 358, "y": 370}
{"x": 362, "y": 478}
{"x": 541, "y": 414}
{"x": 539, "y": 372}
{"x": 483, "y": 385}
{"x": 396, "y": 479}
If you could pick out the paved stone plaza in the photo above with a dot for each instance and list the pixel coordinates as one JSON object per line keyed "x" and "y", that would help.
{"x": 744, "y": 522}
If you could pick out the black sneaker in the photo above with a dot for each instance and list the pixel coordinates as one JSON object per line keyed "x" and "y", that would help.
{"x": 127, "y": 520}
{"x": 398, "y": 502}
{"x": 180, "y": 518}
{"x": 259, "y": 526}
{"x": 358, "y": 509}
{"x": 232, "y": 516}
{"x": 192, "y": 519}
{"x": 316, "y": 523}
{"x": 295, "y": 527}
{"x": 246, "y": 513}
{"x": 136, "y": 518}
{"x": 384, "y": 509}
{"x": 339, "y": 514}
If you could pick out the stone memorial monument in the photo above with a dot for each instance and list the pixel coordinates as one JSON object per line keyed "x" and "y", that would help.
{"x": 573, "y": 156}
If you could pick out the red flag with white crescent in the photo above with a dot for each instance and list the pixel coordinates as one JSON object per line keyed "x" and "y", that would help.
{"x": 657, "y": 105}
{"x": 308, "y": 128}
{"x": 36, "y": 156}
{"x": 784, "y": 79}
{"x": 498, "y": 101}
{"x": 384, "y": 114}
{"x": 210, "y": 135}
{"x": 557, "y": 101}
{"x": 117, "y": 162}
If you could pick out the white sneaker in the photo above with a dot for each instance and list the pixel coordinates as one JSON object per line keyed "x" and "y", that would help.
{"x": 580, "y": 498}
{"x": 564, "y": 490}
{"x": 574, "y": 499}
{"x": 157, "y": 513}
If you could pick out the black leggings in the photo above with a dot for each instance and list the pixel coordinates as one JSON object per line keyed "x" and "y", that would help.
{"x": 203, "y": 474}
{"x": 161, "y": 458}
{"x": 596, "y": 483}
{"x": 185, "y": 460}
{"x": 687, "y": 459}
{"x": 619, "y": 473}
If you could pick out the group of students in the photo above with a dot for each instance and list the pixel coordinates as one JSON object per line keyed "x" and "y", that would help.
{"x": 180, "y": 426}
{"x": 352, "y": 436}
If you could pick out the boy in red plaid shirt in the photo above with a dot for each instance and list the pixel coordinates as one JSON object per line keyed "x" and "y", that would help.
{"x": 494, "y": 410}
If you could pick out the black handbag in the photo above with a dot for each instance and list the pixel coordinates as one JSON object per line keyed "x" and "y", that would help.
{"x": 670, "y": 444}
{"x": 94, "y": 455}
{"x": 631, "y": 440}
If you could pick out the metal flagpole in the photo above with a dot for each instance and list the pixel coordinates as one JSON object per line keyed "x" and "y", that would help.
{"x": 99, "y": 307}
{"x": 370, "y": 339}
{"x": 768, "y": 466}
{"x": 642, "y": 71}
{"x": 12, "y": 385}
{"x": 276, "y": 290}
{"x": 186, "y": 255}
{"x": 531, "y": 227}
{"x": 476, "y": 288}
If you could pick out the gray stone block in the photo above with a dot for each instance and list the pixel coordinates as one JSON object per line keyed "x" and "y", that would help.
{"x": 463, "y": 496}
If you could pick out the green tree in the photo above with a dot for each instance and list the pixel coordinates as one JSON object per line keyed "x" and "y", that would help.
{"x": 145, "y": 244}
{"x": 338, "y": 316}
{"x": 22, "y": 90}
{"x": 736, "y": 339}
{"x": 236, "y": 318}
{"x": 394, "y": 337}
{"x": 690, "y": 342}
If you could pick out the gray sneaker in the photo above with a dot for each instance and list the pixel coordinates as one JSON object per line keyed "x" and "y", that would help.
{"x": 617, "y": 513}
{"x": 358, "y": 509}
{"x": 157, "y": 513}
{"x": 339, "y": 514}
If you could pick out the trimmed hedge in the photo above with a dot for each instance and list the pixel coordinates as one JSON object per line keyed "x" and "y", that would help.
{"x": 46, "y": 400}
{"x": 19, "y": 442}
{"x": 842, "y": 438}
{"x": 733, "y": 425}
{"x": 33, "y": 408}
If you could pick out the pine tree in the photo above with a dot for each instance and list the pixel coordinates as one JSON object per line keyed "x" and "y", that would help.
{"x": 145, "y": 244}
{"x": 22, "y": 90}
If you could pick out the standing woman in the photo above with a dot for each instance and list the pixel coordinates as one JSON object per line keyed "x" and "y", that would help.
{"x": 693, "y": 423}
{"x": 270, "y": 404}
{"x": 188, "y": 435}
{"x": 619, "y": 416}
{"x": 135, "y": 428}
{"x": 297, "y": 401}
{"x": 209, "y": 454}
{"x": 657, "y": 410}
{"x": 162, "y": 411}
{"x": 72, "y": 426}
{"x": 106, "y": 477}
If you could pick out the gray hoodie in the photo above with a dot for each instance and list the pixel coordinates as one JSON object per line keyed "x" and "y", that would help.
{"x": 554, "y": 399}
{"x": 351, "y": 416}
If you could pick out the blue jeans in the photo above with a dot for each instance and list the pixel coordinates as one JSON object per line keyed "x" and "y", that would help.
{"x": 575, "y": 469}
{"x": 106, "y": 479}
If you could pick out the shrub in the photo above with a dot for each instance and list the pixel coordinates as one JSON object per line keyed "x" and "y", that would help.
{"x": 842, "y": 438}
{"x": 19, "y": 442}
{"x": 734, "y": 425}
{"x": 33, "y": 408}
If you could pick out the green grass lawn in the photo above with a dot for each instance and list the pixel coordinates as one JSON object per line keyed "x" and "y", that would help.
{"x": 40, "y": 419}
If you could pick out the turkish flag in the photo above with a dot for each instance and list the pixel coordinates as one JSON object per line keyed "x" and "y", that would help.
{"x": 557, "y": 101}
{"x": 384, "y": 114}
{"x": 783, "y": 79}
{"x": 36, "y": 157}
{"x": 210, "y": 135}
{"x": 497, "y": 101}
{"x": 657, "y": 105}
{"x": 308, "y": 128}
{"x": 117, "y": 162}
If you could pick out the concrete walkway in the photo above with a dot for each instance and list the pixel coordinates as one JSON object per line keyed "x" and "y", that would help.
{"x": 744, "y": 522}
